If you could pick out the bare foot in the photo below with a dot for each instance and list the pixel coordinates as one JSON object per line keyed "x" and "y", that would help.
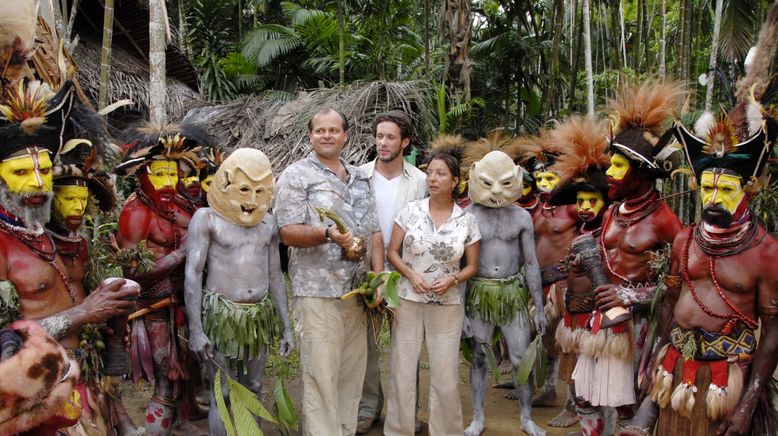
{"x": 512, "y": 395}
{"x": 475, "y": 429}
{"x": 546, "y": 399}
{"x": 565, "y": 418}
{"x": 532, "y": 429}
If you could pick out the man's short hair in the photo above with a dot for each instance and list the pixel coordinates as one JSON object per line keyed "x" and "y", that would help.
{"x": 326, "y": 111}
{"x": 402, "y": 120}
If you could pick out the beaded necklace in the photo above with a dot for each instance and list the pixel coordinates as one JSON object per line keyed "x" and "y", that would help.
{"x": 738, "y": 315}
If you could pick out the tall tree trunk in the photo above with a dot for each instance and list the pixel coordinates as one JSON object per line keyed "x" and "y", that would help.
{"x": 714, "y": 50}
{"x": 426, "y": 37}
{"x": 550, "y": 104}
{"x": 689, "y": 32}
{"x": 623, "y": 36}
{"x": 637, "y": 42}
{"x": 456, "y": 18}
{"x": 588, "y": 60}
{"x": 663, "y": 44}
{"x": 182, "y": 31}
{"x": 341, "y": 45}
{"x": 157, "y": 43}
{"x": 575, "y": 62}
{"x": 105, "y": 61}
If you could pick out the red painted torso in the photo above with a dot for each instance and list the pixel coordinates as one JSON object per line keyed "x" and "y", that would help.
{"x": 555, "y": 229}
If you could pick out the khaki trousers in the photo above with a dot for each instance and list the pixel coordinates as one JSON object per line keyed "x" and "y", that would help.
{"x": 441, "y": 328}
{"x": 333, "y": 352}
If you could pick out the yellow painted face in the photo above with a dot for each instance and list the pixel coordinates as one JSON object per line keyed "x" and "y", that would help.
{"x": 163, "y": 174}
{"x": 206, "y": 183}
{"x": 546, "y": 181}
{"x": 724, "y": 190}
{"x": 188, "y": 181}
{"x": 70, "y": 201}
{"x": 525, "y": 190}
{"x": 589, "y": 204}
{"x": 29, "y": 173}
{"x": 619, "y": 167}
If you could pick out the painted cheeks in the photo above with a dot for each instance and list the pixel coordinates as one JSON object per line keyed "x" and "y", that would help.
{"x": 546, "y": 181}
{"x": 206, "y": 183}
{"x": 619, "y": 167}
{"x": 589, "y": 204}
{"x": 28, "y": 174}
{"x": 163, "y": 174}
{"x": 70, "y": 201}
{"x": 722, "y": 190}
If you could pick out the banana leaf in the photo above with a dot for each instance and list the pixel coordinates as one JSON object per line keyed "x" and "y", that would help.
{"x": 487, "y": 349}
{"x": 221, "y": 405}
{"x": 287, "y": 414}
{"x": 541, "y": 366}
{"x": 528, "y": 360}
{"x": 391, "y": 295}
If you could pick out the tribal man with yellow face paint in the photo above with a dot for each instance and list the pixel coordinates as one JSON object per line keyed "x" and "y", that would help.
{"x": 722, "y": 286}
{"x": 152, "y": 216}
{"x": 32, "y": 271}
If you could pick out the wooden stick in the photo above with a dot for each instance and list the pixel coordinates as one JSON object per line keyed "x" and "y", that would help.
{"x": 161, "y": 304}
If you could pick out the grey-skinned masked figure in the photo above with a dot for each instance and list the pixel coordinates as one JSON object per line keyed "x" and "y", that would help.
{"x": 237, "y": 241}
{"x": 508, "y": 271}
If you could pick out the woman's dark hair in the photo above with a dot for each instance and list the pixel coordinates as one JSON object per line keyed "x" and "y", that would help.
{"x": 451, "y": 162}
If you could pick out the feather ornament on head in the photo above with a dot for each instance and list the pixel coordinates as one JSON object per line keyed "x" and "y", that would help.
{"x": 33, "y": 117}
{"x": 176, "y": 142}
{"x": 539, "y": 153}
{"x": 641, "y": 128}
{"x": 583, "y": 161}
{"x": 210, "y": 159}
{"x": 496, "y": 140}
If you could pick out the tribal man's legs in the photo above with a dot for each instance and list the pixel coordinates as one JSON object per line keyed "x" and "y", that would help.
{"x": 517, "y": 334}
{"x": 482, "y": 334}
{"x": 252, "y": 379}
{"x": 161, "y": 409}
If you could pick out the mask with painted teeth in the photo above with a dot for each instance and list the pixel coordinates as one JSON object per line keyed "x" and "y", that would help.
{"x": 242, "y": 187}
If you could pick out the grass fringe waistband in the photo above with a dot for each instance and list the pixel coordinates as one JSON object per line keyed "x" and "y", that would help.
{"x": 239, "y": 330}
{"x": 496, "y": 301}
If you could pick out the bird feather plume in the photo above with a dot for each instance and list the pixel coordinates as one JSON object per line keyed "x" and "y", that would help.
{"x": 583, "y": 144}
{"x": 539, "y": 148}
{"x": 646, "y": 106}
{"x": 758, "y": 73}
{"x": 18, "y": 23}
{"x": 475, "y": 150}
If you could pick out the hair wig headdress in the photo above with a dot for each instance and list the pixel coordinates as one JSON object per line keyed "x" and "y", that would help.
{"x": 583, "y": 162}
{"x": 18, "y": 23}
{"x": 640, "y": 125}
{"x": 539, "y": 153}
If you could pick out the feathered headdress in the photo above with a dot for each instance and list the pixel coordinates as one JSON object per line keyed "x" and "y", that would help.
{"x": 540, "y": 153}
{"x": 640, "y": 127}
{"x": 17, "y": 36}
{"x": 475, "y": 150}
{"x": 210, "y": 159}
{"x": 177, "y": 142}
{"x": 740, "y": 141}
{"x": 84, "y": 166}
{"x": 33, "y": 117}
{"x": 583, "y": 162}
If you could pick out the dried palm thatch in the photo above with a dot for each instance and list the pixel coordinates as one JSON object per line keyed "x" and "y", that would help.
{"x": 280, "y": 128}
{"x": 129, "y": 80}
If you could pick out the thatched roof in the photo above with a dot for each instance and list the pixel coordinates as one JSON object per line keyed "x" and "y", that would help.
{"x": 129, "y": 80}
{"x": 280, "y": 128}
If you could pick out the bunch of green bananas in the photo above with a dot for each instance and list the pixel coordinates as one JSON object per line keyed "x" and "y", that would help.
{"x": 90, "y": 358}
{"x": 367, "y": 290}
{"x": 358, "y": 248}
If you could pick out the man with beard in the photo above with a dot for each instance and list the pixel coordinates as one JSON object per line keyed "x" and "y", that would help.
{"x": 714, "y": 376}
{"x": 34, "y": 125}
{"x": 395, "y": 183}
{"x": 78, "y": 177}
{"x": 152, "y": 224}
{"x": 555, "y": 227}
{"x": 581, "y": 168}
{"x": 636, "y": 231}
{"x": 232, "y": 321}
{"x": 508, "y": 275}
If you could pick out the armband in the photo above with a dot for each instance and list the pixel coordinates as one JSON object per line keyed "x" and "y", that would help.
{"x": 673, "y": 281}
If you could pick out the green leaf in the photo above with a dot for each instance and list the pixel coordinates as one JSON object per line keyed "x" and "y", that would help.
{"x": 245, "y": 423}
{"x": 541, "y": 366}
{"x": 527, "y": 361}
{"x": 221, "y": 406}
{"x": 390, "y": 290}
{"x": 487, "y": 349}
{"x": 287, "y": 413}
{"x": 249, "y": 400}
{"x": 441, "y": 99}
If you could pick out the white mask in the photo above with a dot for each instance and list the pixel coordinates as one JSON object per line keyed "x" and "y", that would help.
{"x": 495, "y": 181}
{"x": 242, "y": 187}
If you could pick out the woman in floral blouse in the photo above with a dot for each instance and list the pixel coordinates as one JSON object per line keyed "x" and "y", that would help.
{"x": 434, "y": 234}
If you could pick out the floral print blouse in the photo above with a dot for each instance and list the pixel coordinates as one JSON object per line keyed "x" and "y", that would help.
{"x": 434, "y": 253}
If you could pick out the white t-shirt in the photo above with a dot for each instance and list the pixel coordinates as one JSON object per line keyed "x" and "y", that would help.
{"x": 386, "y": 196}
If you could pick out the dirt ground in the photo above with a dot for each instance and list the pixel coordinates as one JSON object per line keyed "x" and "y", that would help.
{"x": 502, "y": 415}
